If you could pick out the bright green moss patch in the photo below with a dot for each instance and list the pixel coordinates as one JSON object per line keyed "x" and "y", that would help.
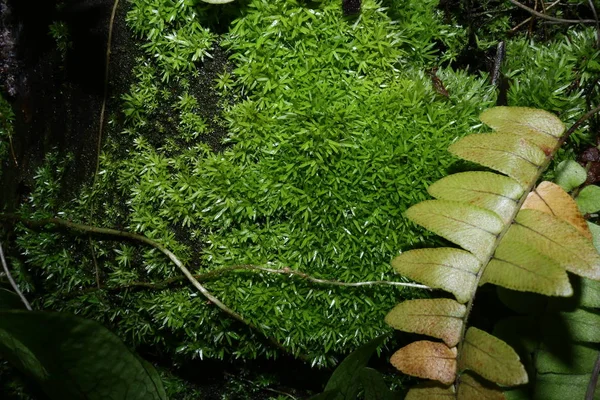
{"x": 175, "y": 39}
{"x": 334, "y": 130}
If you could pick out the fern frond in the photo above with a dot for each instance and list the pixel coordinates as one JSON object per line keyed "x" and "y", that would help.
{"x": 512, "y": 234}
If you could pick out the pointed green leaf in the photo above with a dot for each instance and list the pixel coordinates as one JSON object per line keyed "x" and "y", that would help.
{"x": 492, "y": 358}
{"x": 473, "y": 228}
{"x": 557, "y": 240}
{"x": 566, "y": 358}
{"x": 562, "y": 387}
{"x": 589, "y": 199}
{"x": 582, "y": 325}
{"x": 440, "y": 318}
{"x": 472, "y": 387}
{"x": 21, "y": 357}
{"x": 374, "y": 386}
{"x": 83, "y": 359}
{"x": 446, "y": 268}
{"x": 590, "y": 293}
{"x": 431, "y": 391}
{"x": 494, "y": 192}
{"x": 518, "y": 267}
{"x": 345, "y": 378}
{"x": 425, "y": 359}
{"x": 510, "y": 154}
{"x": 538, "y": 126}
{"x": 569, "y": 175}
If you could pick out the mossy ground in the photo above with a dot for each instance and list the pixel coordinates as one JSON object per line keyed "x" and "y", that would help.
{"x": 277, "y": 134}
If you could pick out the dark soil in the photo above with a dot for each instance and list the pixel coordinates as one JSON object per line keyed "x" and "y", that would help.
{"x": 57, "y": 102}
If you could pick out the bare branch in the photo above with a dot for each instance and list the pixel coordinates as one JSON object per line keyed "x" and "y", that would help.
{"x": 530, "y": 18}
{"x": 86, "y": 229}
{"x": 549, "y": 18}
{"x": 12, "y": 281}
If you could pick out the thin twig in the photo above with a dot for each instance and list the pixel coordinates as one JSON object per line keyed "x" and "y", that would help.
{"x": 12, "y": 281}
{"x": 576, "y": 125}
{"x": 549, "y": 18}
{"x": 591, "y": 389}
{"x": 12, "y": 150}
{"x": 289, "y": 271}
{"x": 513, "y": 30}
{"x": 87, "y": 229}
{"x": 225, "y": 270}
{"x": 593, "y": 7}
{"x": 105, "y": 94}
{"x": 101, "y": 128}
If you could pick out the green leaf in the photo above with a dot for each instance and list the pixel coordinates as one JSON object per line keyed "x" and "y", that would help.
{"x": 374, "y": 385}
{"x": 590, "y": 293}
{"x": 561, "y": 387}
{"x": 521, "y": 333}
{"x": 566, "y": 358}
{"x": 510, "y": 154}
{"x": 333, "y": 394}
{"x": 537, "y": 126}
{"x": 492, "y": 358}
{"x": 588, "y": 199}
{"x": 431, "y": 391}
{"x": 488, "y": 190}
{"x": 346, "y": 377}
{"x": 473, "y": 228}
{"x": 446, "y": 268}
{"x": 521, "y": 302}
{"x": 21, "y": 357}
{"x": 518, "y": 267}
{"x": 10, "y": 300}
{"x": 474, "y": 388}
{"x": 440, "y": 318}
{"x": 595, "y": 229}
{"x": 558, "y": 240}
{"x": 570, "y": 175}
{"x": 582, "y": 324}
{"x": 82, "y": 359}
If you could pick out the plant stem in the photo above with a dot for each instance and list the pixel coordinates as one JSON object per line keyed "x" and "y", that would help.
{"x": 222, "y": 271}
{"x": 12, "y": 281}
{"x": 105, "y": 90}
{"x": 591, "y": 390}
{"x": 576, "y": 125}
{"x": 553, "y": 19}
{"x": 86, "y": 229}
{"x": 513, "y": 30}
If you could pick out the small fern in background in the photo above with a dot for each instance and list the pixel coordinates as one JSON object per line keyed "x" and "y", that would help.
{"x": 514, "y": 234}
{"x": 558, "y": 338}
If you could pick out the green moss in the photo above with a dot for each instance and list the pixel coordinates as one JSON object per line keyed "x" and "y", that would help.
{"x": 334, "y": 131}
{"x": 7, "y": 118}
{"x": 174, "y": 37}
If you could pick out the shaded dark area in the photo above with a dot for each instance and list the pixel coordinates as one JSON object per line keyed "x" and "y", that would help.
{"x": 57, "y": 104}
